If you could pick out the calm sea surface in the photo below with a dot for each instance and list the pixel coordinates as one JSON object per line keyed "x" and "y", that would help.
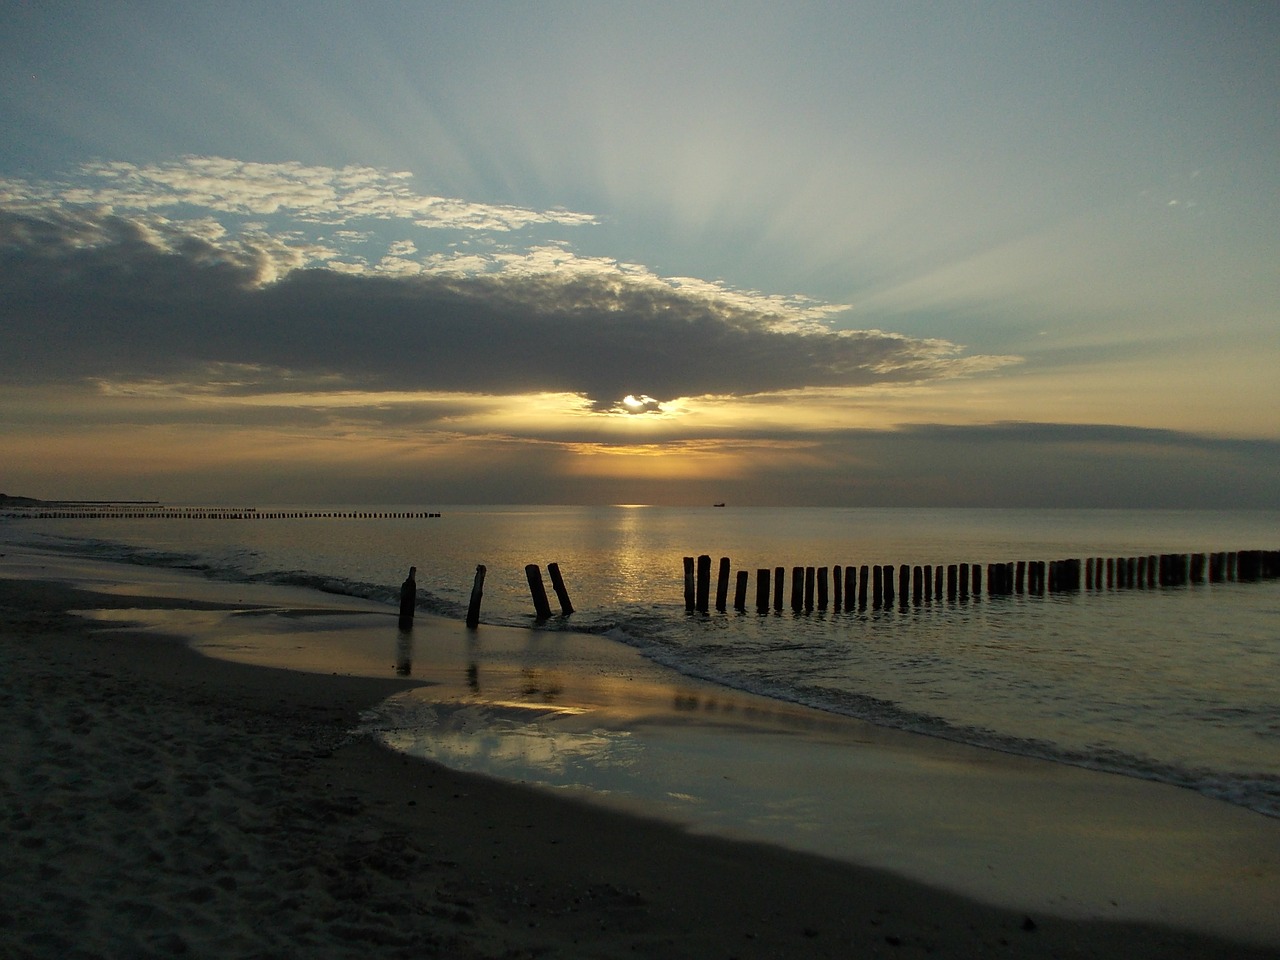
{"x": 1176, "y": 684}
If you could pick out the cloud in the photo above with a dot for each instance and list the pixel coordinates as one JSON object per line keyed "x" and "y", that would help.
{"x": 92, "y": 293}
{"x": 311, "y": 193}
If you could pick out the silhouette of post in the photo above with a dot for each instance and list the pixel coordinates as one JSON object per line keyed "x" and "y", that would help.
{"x": 762, "y": 591}
{"x": 722, "y": 584}
{"x": 557, "y": 584}
{"x": 477, "y": 591}
{"x": 538, "y": 591}
{"x": 408, "y": 599}
{"x": 704, "y": 582}
{"x": 689, "y": 593}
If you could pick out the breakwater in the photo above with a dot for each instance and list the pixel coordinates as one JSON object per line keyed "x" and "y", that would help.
{"x": 154, "y": 511}
{"x": 852, "y": 587}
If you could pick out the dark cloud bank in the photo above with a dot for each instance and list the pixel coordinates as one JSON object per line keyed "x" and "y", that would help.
{"x": 105, "y": 297}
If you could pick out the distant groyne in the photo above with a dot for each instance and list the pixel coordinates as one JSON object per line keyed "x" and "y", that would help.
{"x": 148, "y": 510}
{"x": 852, "y": 587}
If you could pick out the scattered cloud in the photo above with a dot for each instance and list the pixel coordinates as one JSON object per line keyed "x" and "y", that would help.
{"x": 309, "y": 193}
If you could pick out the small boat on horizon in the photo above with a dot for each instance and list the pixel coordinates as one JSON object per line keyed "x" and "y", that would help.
{"x": 721, "y": 504}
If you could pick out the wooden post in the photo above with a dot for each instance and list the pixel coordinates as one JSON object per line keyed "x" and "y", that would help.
{"x": 917, "y": 585}
{"x": 779, "y": 576}
{"x": 477, "y": 592}
{"x": 863, "y": 572}
{"x": 722, "y": 584}
{"x": 688, "y": 584}
{"x": 762, "y": 591}
{"x": 808, "y": 589}
{"x": 538, "y": 591}
{"x": 1073, "y": 573}
{"x": 1019, "y": 576}
{"x": 877, "y": 588}
{"x": 1196, "y": 573}
{"x": 837, "y": 589}
{"x": 557, "y": 584}
{"x": 977, "y": 579}
{"x": 704, "y": 583}
{"x": 408, "y": 599}
{"x": 740, "y": 592}
{"x": 822, "y": 588}
{"x": 1217, "y": 567}
{"x": 850, "y": 588}
{"x": 797, "y": 589}
{"x": 904, "y": 584}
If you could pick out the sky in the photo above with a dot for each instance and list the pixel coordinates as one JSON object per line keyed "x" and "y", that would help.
{"x": 852, "y": 254}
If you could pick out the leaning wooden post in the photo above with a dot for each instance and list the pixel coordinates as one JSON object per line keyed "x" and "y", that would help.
{"x": 557, "y": 584}
{"x": 538, "y": 591}
{"x": 477, "y": 592}
{"x": 722, "y": 584}
{"x": 688, "y": 584}
{"x": 704, "y": 583}
{"x": 740, "y": 592}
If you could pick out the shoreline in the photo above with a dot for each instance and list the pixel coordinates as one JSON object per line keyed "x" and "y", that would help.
{"x": 334, "y": 844}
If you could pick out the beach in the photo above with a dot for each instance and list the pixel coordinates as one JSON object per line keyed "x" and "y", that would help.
{"x": 161, "y": 802}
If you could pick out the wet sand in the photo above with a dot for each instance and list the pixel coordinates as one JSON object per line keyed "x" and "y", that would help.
{"x": 157, "y": 801}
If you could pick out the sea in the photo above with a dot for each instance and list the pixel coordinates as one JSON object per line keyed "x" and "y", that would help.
{"x": 1179, "y": 684}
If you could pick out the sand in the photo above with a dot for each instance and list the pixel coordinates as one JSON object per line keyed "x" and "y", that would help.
{"x": 158, "y": 802}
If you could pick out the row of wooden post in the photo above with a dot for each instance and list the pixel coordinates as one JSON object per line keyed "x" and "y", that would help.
{"x": 210, "y": 513}
{"x": 854, "y": 588}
